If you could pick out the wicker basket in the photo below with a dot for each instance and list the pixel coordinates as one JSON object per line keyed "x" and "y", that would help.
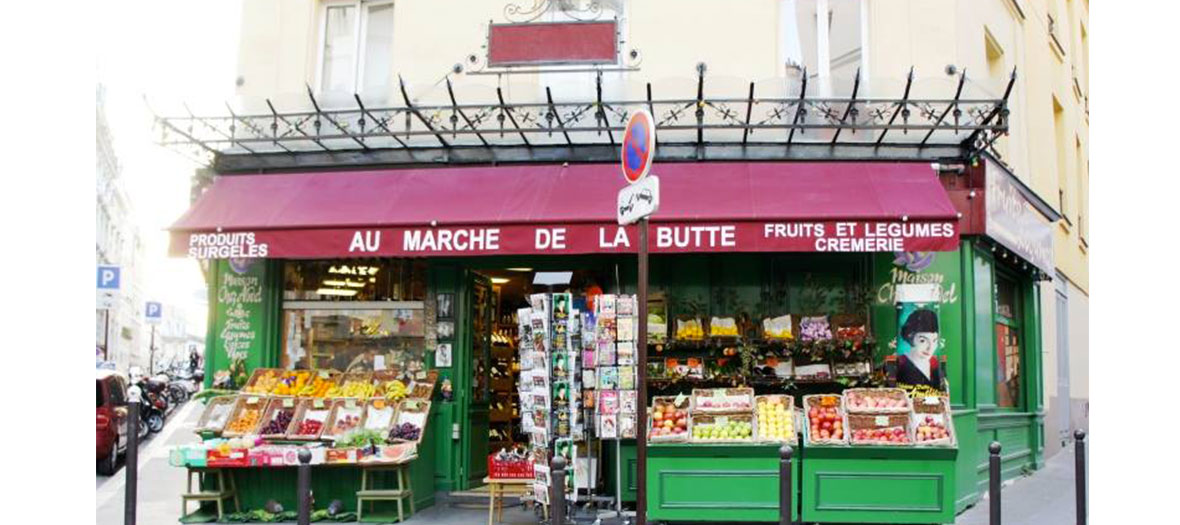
{"x": 876, "y": 395}
{"x": 276, "y": 406}
{"x": 379, "y": 415}
{"x": 307, "y": 410}
{"x": 822, "y": 401}
{"x": 341, "y": 408}
{"x": 789, "y": 403}
{"x": 697, "y": 420}
{"x": 879, "y": 421}
{"x": 217, "y": 413}
{"x": 666, "y": 401}
{"x": 738, "y": 399}
{"x": 244, "y": 405}
{"x": 937, "y": 407}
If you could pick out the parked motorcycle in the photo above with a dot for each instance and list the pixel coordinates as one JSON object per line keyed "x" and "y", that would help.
{"x": 154, "y": 404}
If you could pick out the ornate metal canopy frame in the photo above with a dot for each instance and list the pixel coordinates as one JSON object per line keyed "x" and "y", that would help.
{"x": 802, "y": 127}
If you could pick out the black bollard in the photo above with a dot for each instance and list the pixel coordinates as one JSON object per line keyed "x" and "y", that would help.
{"x": 304, "y": 487}
{"x": 131, "y": 458}
{"x": 1080, "y": 473}
{"x": 557, "y": 494}
{"x": 993, "y": 482}
{"x": 786, "y": 498}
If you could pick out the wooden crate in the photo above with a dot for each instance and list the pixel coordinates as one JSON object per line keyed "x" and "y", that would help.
{"x": 245, "y": 404}
{"x": 897, "y": 395}
{"x": 789, "y": 403}
{"x": 221, "y": 405}
{"x": 277, "y": 405}
{"x": 340, "y": 408}
{"x": 305, "y": 409}
{"x": 376, "y": 410}
{"x": 415, "y": 412}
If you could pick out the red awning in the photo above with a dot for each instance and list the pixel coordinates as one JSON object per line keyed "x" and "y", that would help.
{"x": 787, "y": 206}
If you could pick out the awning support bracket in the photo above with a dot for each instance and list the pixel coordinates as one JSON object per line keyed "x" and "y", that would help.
{"x": 274, "y": 127}
{"x": 954, "y": 105}
{"x": 799, "y": 109}
{"x": 901, "y": 106}
{"x": 849, "y": 109}
{"x": 455, "y": 107}
{"x": 749, "y": 107}
{"x": 422, "y": 119}
{"x": 360, "y": 142}
{"x": 377, "y": 121}
{"x": 505, "y": 110}
{"x": 599, "y": 112}
{"x": 557, "y": 117}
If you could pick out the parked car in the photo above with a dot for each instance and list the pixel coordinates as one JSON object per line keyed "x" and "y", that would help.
{"x": 111, "y": 420}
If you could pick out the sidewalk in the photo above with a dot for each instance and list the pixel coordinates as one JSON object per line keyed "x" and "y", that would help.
{"x": 1044, "y": 498}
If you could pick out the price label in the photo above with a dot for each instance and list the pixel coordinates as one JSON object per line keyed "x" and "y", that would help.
{"x": 288, "y": 403}
{"x": 319, "y": 403}
{"x": 679, "y": 401}
{"x": 420, "y": 375}
{"x": 252, "y": 400}
{"x": 350, "y": 403}
{"x": 930, "y": 400}
{"x": 323, "y": 374}
{"x": 881, "y": 421}
{"x": 722, "y": 420}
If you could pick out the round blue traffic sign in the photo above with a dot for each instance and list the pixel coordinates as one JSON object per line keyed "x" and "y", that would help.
{"x": 639, "y": 146}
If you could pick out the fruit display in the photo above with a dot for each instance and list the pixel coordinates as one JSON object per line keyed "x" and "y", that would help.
{"x": 264, "y": 381}
{"x": 881, "y": 429}
{"x": 346, "y": 416}
{"x": 405, "y": 431}
{"x": 825, "y": 419}
{"x": 246, "y": 421}
{"x": 279, "y": 422}
{"x": 931, "y": 428}
{"x": 394, "y": 390}
{"x": 850, "y": 333}
{"x": 378, "y": 415}
{"x": 706, "y": 400}
{"x": 876, "y": 401}
{"x": 776, "y": 418}
{"x": 310, "y": 426}
{"x": 657, "y": 328}
{"x": 360, "y": 388}
{"x": 421, "y": 390}
{"x": 690, "y": 329}
{"x": 723, "y": 327}
{"x": 710, "y": 428}
{"x": 668, "y": 422}
{"x": 777, "y": 328}
{"x": 317, "y": 387}
{"x": 815, "y": 328}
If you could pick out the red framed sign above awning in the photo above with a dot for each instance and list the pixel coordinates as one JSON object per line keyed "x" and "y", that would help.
{"x": 509, "y": 210}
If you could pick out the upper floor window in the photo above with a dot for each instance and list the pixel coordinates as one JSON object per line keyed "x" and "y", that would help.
{"x": 356, "y": 52}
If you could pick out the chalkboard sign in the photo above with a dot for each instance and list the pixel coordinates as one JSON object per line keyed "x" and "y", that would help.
{"x": 239, "y": 338}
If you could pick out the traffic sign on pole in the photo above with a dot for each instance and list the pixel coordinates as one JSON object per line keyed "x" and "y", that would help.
{"x": 108, "y": 277}
{"x": 639, "y": 200}
{"x": 639, "y": 146}
{"x": 154, "y": 312}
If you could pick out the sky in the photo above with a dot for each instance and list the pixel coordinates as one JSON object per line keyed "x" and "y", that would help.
{"x": 169, "y": 52}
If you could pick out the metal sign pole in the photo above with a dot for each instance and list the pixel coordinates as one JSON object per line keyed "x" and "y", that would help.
{"x": 106, "y": 335}
{"x": 641, "y": 413}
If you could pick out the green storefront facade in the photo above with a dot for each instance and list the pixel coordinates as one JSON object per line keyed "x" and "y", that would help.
{"x": 246, "y": 316}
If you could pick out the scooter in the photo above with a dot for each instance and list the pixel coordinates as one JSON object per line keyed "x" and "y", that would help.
{"x": 154, "y": 404}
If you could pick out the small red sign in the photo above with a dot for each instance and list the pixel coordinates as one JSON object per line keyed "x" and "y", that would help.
{"x": 639, "y": 146}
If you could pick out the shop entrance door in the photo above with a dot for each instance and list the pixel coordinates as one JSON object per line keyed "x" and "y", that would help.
{"x": 481, "y": 304}
{"x": 1064, "y": 405}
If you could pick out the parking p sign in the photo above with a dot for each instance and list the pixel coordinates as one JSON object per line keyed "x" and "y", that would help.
{"x": 108, "y": 277}
{"x": 154, "y": 312}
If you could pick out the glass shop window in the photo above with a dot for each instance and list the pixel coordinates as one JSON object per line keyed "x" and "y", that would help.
{"x": 354, "y": 340}
{"x": 1009, "y": 369}
{"x": 355, "y": 280}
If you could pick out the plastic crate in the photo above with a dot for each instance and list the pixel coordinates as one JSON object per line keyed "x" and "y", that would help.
{"x": 506, "y": 469}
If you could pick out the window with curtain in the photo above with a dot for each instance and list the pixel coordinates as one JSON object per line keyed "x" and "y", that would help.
{"x": 357, "y": 51}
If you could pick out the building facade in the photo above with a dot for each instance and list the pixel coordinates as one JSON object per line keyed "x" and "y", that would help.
{"x": 344, "y": 47}
{"x": 117, "y": 242}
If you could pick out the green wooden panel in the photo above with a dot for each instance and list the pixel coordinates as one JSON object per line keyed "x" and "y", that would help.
{"x": 985, "y": 343}
{"x": 245, "y": 307}
{"x": 714, "y": 483}
{"x": 966, "y": 431}
{"x": 628, "y": 460}
{"x": 878, "y": 485}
